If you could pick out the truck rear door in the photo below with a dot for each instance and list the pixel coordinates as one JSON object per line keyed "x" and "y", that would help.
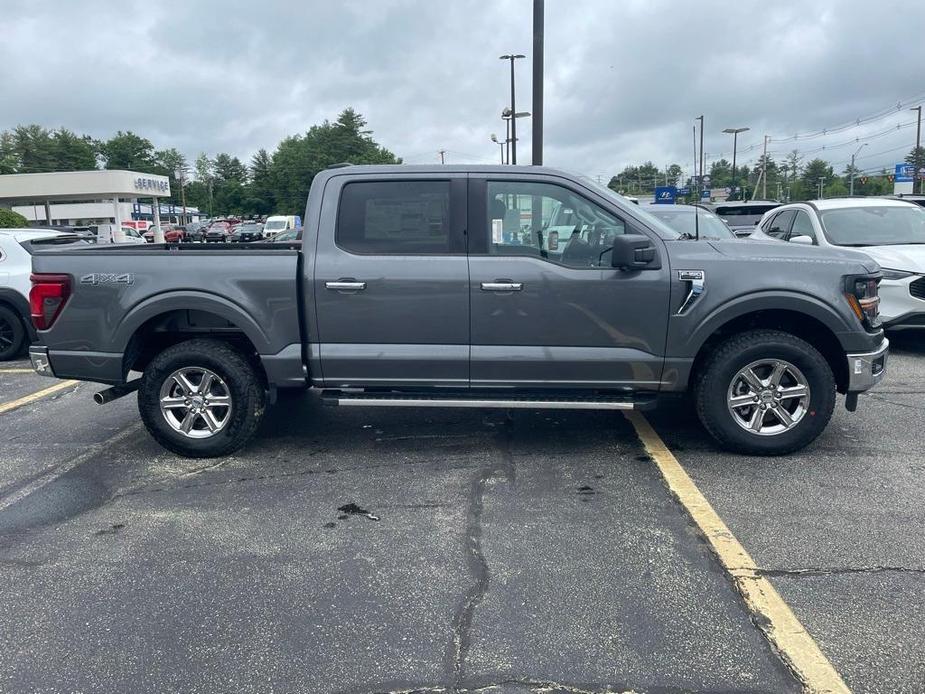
{"x": 391, "y": 283}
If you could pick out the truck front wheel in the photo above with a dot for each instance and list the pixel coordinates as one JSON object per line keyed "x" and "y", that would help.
{"x": 201, "y": 399}
{"x": 765, "y": 392}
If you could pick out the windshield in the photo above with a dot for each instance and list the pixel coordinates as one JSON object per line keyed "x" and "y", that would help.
{"x": 682, "y": 220}
{"x": 665, "y": 231}
{"x": 275, "y": 225}
{"x": 874, "y": 226}
{"x": 742, "y": 215}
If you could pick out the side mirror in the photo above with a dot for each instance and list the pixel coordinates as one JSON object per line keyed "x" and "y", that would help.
{"x": 802, "y": 240}
{"x": 634, "y": 252}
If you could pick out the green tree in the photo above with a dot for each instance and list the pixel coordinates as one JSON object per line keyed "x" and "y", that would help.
{"x": 203, "y": 167}
{"x": 9, "y": 161}
{"x": 12, "y": 220}
{"x": 73, "y": 152}
{"x": 126, "y": 150}
{"x": 261, "y": 200}
{"x": 167, "y": 162}
{"x": 298, "y": 158}
{"x": 812, "y": 173}
{"x": 34, "y": 149}
{"x": 916, "y": 157}
{"x": 228, "y": 168}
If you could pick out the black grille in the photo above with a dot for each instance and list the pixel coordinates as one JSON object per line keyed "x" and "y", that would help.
{"x": 917, "y": 288}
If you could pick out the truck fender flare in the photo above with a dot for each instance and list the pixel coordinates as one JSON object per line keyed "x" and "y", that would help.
{"x": 794, "y": 302}
{"x": 189, "y": 301}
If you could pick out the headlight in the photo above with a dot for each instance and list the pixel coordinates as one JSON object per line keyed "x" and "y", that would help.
{"x": 863, "y": 296}
{"x": 895, "y": 274}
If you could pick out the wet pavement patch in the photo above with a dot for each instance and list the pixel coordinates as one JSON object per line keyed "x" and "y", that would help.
{"x": 352, "y": 509}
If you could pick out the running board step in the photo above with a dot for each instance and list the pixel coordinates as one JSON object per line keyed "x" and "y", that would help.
{"x": 341, "y": 399}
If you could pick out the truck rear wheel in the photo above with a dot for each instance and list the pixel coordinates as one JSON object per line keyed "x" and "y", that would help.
{"x": 765, "y": 392}
{"x": 201, "y": 399}
{"x": 12, "y": 334}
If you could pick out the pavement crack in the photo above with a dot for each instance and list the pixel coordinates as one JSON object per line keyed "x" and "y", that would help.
{"x": 478, "y": 566}
{"x": 835, "y": 571}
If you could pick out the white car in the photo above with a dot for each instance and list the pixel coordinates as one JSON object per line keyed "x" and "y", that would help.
{"x": 15, "y": 268}
{"x": 889, "y": 230}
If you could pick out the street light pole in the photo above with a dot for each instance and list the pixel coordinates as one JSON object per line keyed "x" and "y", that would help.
{"x": 512, "y": 57}
{"x": 821, "y": 183}
{"x": 494, "y": 138}
{"x": 918, "y": 145}
{"x": 853, "y": 174}
{"x": 700, "y": 118}
{"x": 538, "y": 39}
{"x": 735, "y": 140}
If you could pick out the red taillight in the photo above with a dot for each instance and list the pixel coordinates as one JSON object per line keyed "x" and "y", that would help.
{"x": 47, "y": 298}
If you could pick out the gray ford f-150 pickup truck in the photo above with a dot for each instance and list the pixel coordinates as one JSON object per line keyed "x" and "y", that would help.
{"x": 452, "y": 286}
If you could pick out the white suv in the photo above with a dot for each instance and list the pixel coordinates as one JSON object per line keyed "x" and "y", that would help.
{"x": 889, "y": 230}
{"x": 15, "y": 268}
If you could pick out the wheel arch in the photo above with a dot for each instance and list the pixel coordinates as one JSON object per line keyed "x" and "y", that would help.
{"x": 808, "y": 326}
{"x": 164, "y": 321}
{"x": 15, "y": 301}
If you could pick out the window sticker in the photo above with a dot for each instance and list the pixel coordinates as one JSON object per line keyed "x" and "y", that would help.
{"x": 497, "y": 231}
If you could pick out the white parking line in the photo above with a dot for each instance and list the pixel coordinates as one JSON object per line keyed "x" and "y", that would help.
{"x": 67, "y": 466}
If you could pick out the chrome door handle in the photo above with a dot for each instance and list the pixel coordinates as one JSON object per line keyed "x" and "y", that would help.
{"x": 341, "y": 285}
{"x": 502, "y": 286}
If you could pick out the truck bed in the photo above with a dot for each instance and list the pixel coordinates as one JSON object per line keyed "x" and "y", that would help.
{"x": 123, "y": 296}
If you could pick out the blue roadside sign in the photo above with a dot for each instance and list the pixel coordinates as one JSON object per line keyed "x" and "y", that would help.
{"x": 905, "y": 173}
{"x": 684, "y": 191}
{"x": 705, "y": 194}
{"x": 665, "y": 195}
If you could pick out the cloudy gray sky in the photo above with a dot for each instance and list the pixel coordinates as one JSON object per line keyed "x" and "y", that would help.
{"x": 624, "y": 81}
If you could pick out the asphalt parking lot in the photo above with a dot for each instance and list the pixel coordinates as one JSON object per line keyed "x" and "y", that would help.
{"x": 352, "y": 550}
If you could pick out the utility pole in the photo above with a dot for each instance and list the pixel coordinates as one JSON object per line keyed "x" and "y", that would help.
{"x": 494, "y": 138}
{"x": 764, "y": 170}
{"x": 821, "y": 183}
{"x": 180, "y": 175}
{"x": 512, "y": 57}
{"x": 852, "y": 171}
{"x": 538, "y": 39}
{"x": 700, "y": 118}
{"x": 694, "y": 177}
{"x": 442, "y": 152}
{"x": 918, "y": 144}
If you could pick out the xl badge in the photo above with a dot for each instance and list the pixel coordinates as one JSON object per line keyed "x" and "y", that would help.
{"x": 96, "y": 279}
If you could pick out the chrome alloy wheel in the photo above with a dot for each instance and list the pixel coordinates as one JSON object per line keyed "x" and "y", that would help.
{"x": 768, "y": 397}
{"x": 195, "y": 402}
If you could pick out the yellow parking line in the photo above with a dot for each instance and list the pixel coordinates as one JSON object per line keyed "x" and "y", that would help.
{"x": 782, "y": 628}
{"x": 38, "y": 395}
{"x": 17, "y": 371}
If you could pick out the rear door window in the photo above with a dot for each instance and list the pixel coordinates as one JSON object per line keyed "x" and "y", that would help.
{"x": 395, "y": 217}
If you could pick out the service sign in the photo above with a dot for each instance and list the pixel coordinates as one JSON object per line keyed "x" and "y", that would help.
{"x": 156, "y": 185}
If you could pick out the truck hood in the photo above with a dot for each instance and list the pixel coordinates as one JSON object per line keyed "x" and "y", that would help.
{"x": 907, "y": 257}
{"x": 773, "y": 250}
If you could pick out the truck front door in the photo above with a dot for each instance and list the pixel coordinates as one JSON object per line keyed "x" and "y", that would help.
{"x": 391, "y": 283}
{"x": 548, "y": 310}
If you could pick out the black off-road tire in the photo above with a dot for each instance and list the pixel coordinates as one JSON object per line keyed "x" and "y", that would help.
{"x": 714, "y": 379}
{"x": 12, "y": 334}
{"x": 244, "y": 385}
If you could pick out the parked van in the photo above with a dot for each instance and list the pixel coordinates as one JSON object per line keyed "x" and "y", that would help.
{"x": 278, "y": 223}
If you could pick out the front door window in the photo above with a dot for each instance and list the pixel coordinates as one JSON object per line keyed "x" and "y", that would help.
{"x": 550, "y": 222}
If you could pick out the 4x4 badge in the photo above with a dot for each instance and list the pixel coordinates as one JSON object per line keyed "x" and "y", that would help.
{"x": 97, "y": 278}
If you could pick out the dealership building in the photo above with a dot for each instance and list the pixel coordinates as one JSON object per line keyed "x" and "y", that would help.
{"x": 107, "y": 200}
